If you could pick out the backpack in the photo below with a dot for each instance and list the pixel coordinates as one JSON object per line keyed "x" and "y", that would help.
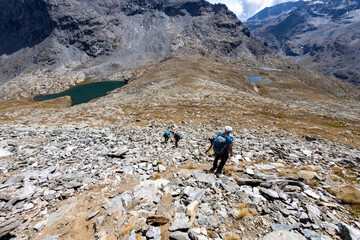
{"x": 166, "y": 134}
{"x": 177, "y": 136}
{"x": 220, "y": 145}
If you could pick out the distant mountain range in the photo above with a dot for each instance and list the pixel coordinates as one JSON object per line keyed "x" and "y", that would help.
{"x": 324, "y": 35}
{"x": 271, "y": 13}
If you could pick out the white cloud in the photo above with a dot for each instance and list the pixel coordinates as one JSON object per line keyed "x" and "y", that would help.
{"x": 247, "y": 8}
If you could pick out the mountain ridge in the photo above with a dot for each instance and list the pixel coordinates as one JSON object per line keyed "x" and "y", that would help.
{"x": 321, "y": 35}
{"x": 270, "y": 13}
{"x": 123, "y": 33}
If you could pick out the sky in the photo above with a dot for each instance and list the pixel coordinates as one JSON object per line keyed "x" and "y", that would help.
{"x": 245, "y": 9}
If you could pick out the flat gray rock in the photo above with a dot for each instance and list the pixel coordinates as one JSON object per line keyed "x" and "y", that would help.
{"x": 179, "y": 236}
{"x": 61, "y": 212}
{"x": 154, "y": 233}
{"x": 56, "y": 237}
{"x": 205, "y": 178}
{"x": 284, "y": 235}
{"x": 148, "y": 189}
{"x": 132, "y": 235}
{"x": 73, "y": 184}
{"x": 98, "y": 222}
{"x": 311, "y": 235}
{"x": 116, "y": 205}
{"x": 197, "y": 195}
{"x": 180, "y": 224}
{"x": 7, "y": 226}
{"x": 269, "y": 193}
{"x": 230, "y": 187}
{"x": 284, "y": 227}
{"x": 92, "y": 214}
{"x": 312, "y": 194}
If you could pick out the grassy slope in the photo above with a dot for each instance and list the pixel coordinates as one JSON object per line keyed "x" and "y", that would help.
{"x": 207, "y": 91}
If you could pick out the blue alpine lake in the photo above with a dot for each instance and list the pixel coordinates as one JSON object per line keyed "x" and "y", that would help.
{"x": 85, "y": 92}
{"x": 256, "y": 78}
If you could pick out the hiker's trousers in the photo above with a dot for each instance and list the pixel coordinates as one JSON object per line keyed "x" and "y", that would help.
{"x": 224, "y": 157}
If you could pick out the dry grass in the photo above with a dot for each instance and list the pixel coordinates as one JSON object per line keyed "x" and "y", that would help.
{"x": 138, "y": 236}
{"x": 157, "y": 176}
{"x": 232, "y": 237}
{"x": 190, "y": 166}
{"x": 331, "y": 191}
{"x": 313, "y": 183}
{"x": 231, "y": 170}
{"x": 242, "y": 205}
{"x": 355, "y": 210}
{"x": 310, "y": 168}
{"x": 128, "y": 227}
{"x": 350, "y": 196}
{"x": 236, "y": 178}
{"x": 346, "y": 175}
{"x": 305, "y": 168}
{"x": 336, "y": 178}
{"x": 243, "y": 211}
{"x": 337, "y": 171}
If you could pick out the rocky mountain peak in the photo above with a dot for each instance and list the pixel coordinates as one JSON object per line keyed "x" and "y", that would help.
{"x": 270, "y": 13}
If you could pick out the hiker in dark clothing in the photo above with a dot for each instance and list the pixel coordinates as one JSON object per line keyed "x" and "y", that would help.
{"x": 222, "y": 148}
{"x": 166, "y": 136}
{"x": 177, "y": 138}
{"x": 211, "y": 144}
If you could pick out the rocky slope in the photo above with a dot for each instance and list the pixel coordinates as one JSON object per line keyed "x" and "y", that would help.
{"x": 80, "y": 183}
{"x": 319, "y": 34}
{"x": 99, "y": 170}
{"x": 63, "y": 42}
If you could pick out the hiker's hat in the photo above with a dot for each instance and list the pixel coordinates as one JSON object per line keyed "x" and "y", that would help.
{"x": 228, "y": 129}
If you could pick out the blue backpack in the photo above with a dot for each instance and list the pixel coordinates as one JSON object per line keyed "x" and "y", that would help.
{"x": 220, "y": 144}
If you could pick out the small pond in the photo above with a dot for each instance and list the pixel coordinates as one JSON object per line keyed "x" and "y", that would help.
{"x": 256, "y": 78}
{"x": 269, "y": 69}
{"x": 85, "y": 92}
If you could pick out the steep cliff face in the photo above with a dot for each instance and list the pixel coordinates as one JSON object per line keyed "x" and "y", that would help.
{"x": 319, "y": 34}
{"x": 24, "y": 24}
{"x": 46, "y": 34}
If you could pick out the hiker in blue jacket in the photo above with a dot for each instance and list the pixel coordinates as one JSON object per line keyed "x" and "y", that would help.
{"x": 222, "y": 147}
{"x": 166, "y": 136}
